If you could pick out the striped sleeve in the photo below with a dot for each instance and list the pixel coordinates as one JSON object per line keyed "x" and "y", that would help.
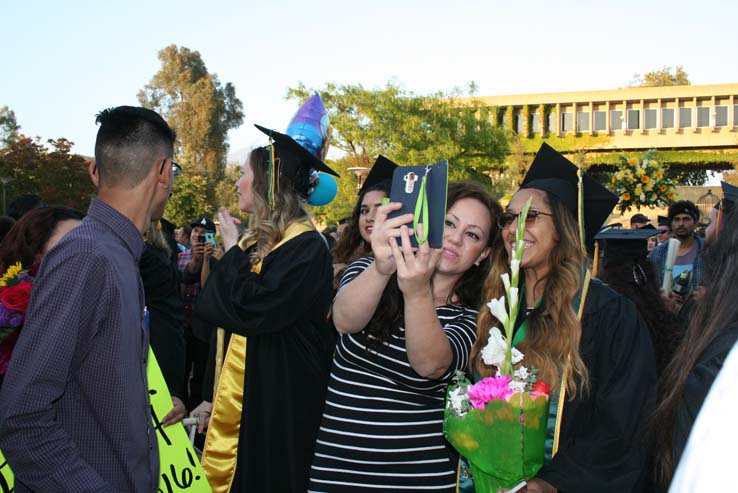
{"x": 354, "y": 269}
{"x": 461, "y": 331}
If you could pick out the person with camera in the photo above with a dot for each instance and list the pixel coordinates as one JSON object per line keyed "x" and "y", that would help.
{"x": 195, "y": 266}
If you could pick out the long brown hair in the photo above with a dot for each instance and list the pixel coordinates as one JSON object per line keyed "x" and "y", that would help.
{"x": 389, "y": 317}
{"x": 714, "y": 314}
{"x": 267, "y": 226}
{"x": 553, "y": 331}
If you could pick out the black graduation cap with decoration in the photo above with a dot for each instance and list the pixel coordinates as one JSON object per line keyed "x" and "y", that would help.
{"x": 380, "y": 176}
{"x": 551, "y": 172}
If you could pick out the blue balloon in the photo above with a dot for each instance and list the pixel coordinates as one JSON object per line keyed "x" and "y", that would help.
{"x": 325, "y": 190}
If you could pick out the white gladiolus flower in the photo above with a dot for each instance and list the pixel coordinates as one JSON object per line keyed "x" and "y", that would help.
{"x": 506, "y": 281}
{"x": 513, "y": 297}
{"x": 521, "y": 373}
{"x": 515, "y": 268}
{"x": 457, "y": 399}
{"x": 497, "y": 308}
{"x": 517, "y": 356}
{"x": 494, "y": 352}
{"x": 517, "y": 386}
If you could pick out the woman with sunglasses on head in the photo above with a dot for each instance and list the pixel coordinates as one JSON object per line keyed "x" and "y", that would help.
{"x": 406, "y": 322}
{"x": 607, "y": 356}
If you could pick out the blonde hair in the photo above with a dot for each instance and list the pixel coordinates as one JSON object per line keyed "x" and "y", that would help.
{"x": 154, "y": 236}
{"x": 267, "y": 226}
{"x": 553, "y": 331}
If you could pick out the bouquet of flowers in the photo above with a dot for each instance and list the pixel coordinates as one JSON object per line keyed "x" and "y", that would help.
{"x": 15, "y": 291}
{"x": 499, "y": 423}
{"x": 642, "y": 182}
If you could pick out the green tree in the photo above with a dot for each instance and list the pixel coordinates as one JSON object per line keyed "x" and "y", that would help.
{"x": 200, "y": 109}
{"x": 189, "y": 199}
{"x": 9, "y": 127}
{"x": 52, "y": 171}
{"x": 409, "y": 129}
{"x": 662, "y": 77}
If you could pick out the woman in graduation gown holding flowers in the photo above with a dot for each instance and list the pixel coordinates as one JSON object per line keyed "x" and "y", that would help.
{"x": 607, "y": 357}
{"x": 271, "y": 292}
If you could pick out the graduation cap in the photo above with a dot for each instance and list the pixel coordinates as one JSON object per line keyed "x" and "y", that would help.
{"x": 730, "y": 192}
{"x": 380, "y": 173}
{"x": 624, "y": 245}
{"x": 551, "y": 172}
{"x": 292, "y": 160}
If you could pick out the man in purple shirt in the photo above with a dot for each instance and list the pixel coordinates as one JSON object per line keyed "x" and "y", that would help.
{"x": 74, "y": 408}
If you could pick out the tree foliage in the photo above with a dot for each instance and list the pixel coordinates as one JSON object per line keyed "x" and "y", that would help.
{"x": 409, "y": 129}
{"x": 9, "y": 127}
{"x": 49, "y": 170}
{"x": 662, "y": 77}
{"x": 202, "y": 111}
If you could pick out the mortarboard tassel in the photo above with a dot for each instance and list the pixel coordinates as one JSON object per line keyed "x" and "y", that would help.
{"x": 580, "y": 207}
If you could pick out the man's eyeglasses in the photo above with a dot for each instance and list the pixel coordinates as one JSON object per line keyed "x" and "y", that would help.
{"x": 176, "y": 168}
{"x": 506, "y": 218}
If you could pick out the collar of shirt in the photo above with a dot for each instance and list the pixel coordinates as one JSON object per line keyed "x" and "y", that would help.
{"x": 119, "y": 224}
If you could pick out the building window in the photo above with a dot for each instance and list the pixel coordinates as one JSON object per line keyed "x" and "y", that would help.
{"x": 567, "y": 122}
{"x": 600, "y": 120}
{"x": 536, "y": 123}
{"x": 634, "y": 119}
{"x": 505, "y": 120}
{"x": 721, "y": 116}
{"x": 520, "y": 123}
{"x": 667, "y": 118}
{"x": 650, "y": 119}
{"x": 552, "y": 122}
{"x": 703, "y": 116}
{"x": 616, "y": 120}
{"x": 582, "y": 121}
{"x": 735, "y": 115}
{"x": 685, "y": 117}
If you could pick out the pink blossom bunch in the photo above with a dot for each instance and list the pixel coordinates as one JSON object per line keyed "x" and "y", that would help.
{"x": 489, "y": 388}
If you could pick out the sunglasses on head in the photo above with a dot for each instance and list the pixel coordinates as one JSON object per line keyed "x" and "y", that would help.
{"x": 506, "y": 218}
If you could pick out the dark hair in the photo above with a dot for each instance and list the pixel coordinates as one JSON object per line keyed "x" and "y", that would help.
{"x": 468, "y": 289}
{"x": 637, "y": 279}
{"x": 24, "y": 203}
{"x": 5, "y": 224}
{"x": 28, "y": 236}
{"x": 350, "y": 242}
{"x": 638, "y": 218}
{"x": 684, "y": 207}
{"x": 129, "y": 140}
{"x": 716, "y": 313}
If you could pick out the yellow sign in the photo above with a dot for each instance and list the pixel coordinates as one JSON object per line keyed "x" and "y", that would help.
{"x": 6, "y": 476}
{"x": 179, "y": 468}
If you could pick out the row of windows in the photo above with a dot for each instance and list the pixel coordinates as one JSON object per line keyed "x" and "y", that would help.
{"x": 706, "y": 116}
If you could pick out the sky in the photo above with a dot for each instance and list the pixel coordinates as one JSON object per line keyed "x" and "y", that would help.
{"x": 62, "y": 62}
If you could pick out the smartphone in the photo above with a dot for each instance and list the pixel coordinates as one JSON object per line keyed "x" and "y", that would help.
{"x": 210, "y": 238}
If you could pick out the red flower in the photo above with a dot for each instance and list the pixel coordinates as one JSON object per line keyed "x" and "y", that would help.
{"x": 16, "y": 297}
{"x": 542, "y": 387}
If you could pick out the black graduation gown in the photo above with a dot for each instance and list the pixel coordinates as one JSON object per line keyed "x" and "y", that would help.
{"x": 602, "y": 447}
{"x": 282, "y": 311}
{"x": 698, "y": 384}
{"x": 161, "y": 281}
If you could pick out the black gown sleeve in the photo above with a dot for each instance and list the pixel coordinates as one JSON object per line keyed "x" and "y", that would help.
{"x": 247, "y": 303}
{"x": 602, "y": 446}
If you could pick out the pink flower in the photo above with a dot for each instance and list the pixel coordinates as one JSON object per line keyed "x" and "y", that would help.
{"x": 487, "y": 389}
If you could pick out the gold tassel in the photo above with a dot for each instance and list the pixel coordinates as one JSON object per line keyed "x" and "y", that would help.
{"x": 596, "y": 259}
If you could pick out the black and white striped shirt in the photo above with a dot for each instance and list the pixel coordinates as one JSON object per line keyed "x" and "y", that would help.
{"x": 382, "y": 424}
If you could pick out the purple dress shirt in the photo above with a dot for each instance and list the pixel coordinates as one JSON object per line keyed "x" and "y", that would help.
{"x": 74, "y": 407}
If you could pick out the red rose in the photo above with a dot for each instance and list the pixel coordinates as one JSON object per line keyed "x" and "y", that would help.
{"x": 542, "y": 387}
{"x": 16, "y": 297}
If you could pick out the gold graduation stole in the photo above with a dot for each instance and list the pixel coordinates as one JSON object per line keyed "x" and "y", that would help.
{"x": 221, "y": 444}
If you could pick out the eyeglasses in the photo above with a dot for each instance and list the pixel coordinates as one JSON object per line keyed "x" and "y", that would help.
{"x": 506, "y": 218}
{"x": 663, "y": 231}
{"x": 176, "y": 168}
